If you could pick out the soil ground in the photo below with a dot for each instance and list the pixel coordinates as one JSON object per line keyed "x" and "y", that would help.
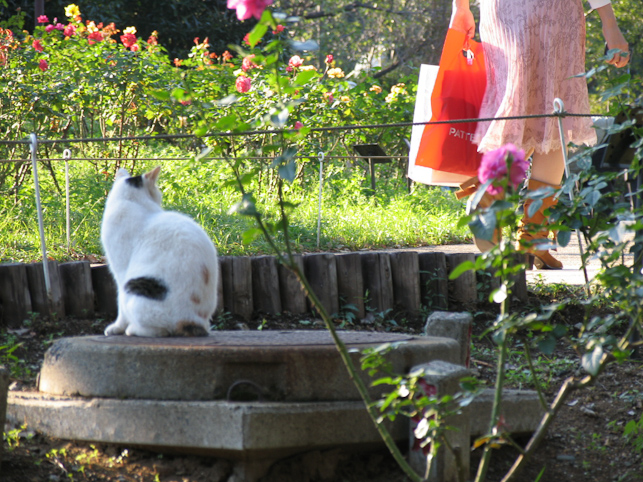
{"x": 585, "y": 443}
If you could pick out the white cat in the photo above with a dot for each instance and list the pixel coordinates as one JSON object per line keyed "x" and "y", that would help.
{"x": 164, "y": 264}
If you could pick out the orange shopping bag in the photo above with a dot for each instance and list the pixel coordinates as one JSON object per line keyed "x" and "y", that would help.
{"x": 457, "y": 94}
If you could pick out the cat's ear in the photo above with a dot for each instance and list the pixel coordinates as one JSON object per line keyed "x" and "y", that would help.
{"x": 121, "y": 173}
{"x": 153, "y": 175}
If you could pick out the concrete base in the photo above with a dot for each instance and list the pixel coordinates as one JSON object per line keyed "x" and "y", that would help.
{"x": 290, "y": 366}
{"x": 255, "y": 434}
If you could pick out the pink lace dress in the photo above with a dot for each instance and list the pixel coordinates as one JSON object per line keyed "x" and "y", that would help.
{"x": 532, "y": 49}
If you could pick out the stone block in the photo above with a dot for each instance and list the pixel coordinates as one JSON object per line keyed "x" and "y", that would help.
{"x": 452, "y": 325}
{"x": 521, "y": 410}
{"x": 443, "y": 378}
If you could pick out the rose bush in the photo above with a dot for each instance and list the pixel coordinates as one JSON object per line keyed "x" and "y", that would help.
{"x": 76, "y": 78}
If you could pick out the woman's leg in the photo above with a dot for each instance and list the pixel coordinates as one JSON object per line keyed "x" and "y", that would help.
{"x": 546, "y": 171}
{"x": 549, "y": 167}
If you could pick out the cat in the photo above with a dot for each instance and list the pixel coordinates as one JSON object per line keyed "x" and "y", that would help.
{"x": 165, "y": 266}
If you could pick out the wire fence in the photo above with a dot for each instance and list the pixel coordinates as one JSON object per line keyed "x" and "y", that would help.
{"x": 34, "y": 142}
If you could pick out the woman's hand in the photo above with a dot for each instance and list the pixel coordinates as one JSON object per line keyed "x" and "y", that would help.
{"x": 614, "y": 36}
{"x": 464, "y": 22}
{"x": 615, "y": 40}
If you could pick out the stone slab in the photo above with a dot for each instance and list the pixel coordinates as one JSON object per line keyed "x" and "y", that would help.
{"x": 249, "y": 430}
{"x": 237, "y": 365}
{"x": 521, "y": 410}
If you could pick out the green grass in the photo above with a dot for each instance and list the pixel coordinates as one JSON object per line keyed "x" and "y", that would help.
{"x": 351, "y": 218}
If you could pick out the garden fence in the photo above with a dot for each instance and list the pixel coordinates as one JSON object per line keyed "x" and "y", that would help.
{"x": 384, "y": 276}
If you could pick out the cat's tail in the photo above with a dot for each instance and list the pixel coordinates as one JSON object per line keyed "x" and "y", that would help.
{"x": 190, "y": 328}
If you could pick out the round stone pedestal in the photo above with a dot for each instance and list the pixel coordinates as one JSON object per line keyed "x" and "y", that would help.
{"x": 291, "y": 366}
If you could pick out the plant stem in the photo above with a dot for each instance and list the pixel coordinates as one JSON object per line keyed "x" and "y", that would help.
{"x": 567, "y": 387}
{"x": 357, "y": 380}
{"x": 497, "y": 402}
{"x": 530, "y": 362}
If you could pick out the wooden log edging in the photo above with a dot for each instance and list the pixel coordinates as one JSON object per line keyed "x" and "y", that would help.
{"x": 359, "y": 282}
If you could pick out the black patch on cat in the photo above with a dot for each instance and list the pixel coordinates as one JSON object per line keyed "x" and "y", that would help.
{"x": 147, "y": 287}
{"x": 136, "y": 181}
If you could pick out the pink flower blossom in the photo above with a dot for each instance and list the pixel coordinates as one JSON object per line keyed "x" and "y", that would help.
{"x": 279, "y": 29}
{"x": 494, "y": 167}
{"x": 43, "y": 19}
{"x": 295, "y": 61}
{"x": 329, "y": 59}
{"x": 298, "y": 125}
{"x": 94, "y": 37}
{"x": 248, "y": 64}
{"x": 243, "y": 84}
{"x": 249, "y": 8}
{"x": 289, "y": 68}
{"x": 70, "y": 30}
{"x": 59, "y": 26}
{"x": 129, "y": 40}
{"x": 50, "y": 27}
{"x": 37, "y": 45}
{"x": 43, "y": 65}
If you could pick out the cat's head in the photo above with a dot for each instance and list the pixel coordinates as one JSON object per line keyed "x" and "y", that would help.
{"x": 138, "y": 187}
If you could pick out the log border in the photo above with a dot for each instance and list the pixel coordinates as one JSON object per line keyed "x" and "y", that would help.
{"x": 361, "y": 282}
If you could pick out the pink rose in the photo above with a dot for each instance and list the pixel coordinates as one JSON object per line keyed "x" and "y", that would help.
{"x": 43, "y": 65}
{"x": 243, "y": 84}
{"x": 129, "y": 40}
{"x": 94, "y": 37}
{"x": 249, "y": 8}
{"x": 329, "y": 59}
{"x": 494, "y": 167}
{"x": 298, "y": 125}
{"x": 295, "y": 61}
{"x": 37, "y": 45}
{"x": 70, "y": 30}
{"x": 43, "y": 19}
{"x": 248, "y": 64}
{"x": 49, "y": 28}
{"x": 279, "y": 29}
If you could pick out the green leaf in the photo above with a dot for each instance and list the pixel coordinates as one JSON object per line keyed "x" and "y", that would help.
{"x": 257, "y": 33}
{"x": 200, "y": 131}
{"x": 178, "y": 94}
{"x": 534, "y": 207}
{"x": 547, "y": 345}
{"x": 250, "y": 235}
{"x": 226, "y": 123}
{"x": 227, "y": 100}
{"x": 499, "y": 295}
{"x": 591, "y": 361}
{"x": 288, "y": 171}
{"x": 564, "y": 237}
{"x": 245, "y": 207}
{"x": 163, "y": 95}
{"x": 304, "y": 76}
{"x": 280, "y": 118}
{"x": 461, "y": 268}
{"x": 483, "y": 225}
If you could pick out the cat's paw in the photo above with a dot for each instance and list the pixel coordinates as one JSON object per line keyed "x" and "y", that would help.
{"x": 114, "y": 329}
{"x": 148, "y": 331}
